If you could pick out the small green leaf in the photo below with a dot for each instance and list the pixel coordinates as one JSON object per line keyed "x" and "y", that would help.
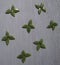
{"x": 23, "y": 60}
{"x": 27, "y": 55}
{"x": 32, "y": 27}
{"x": 44, "y": 10}
{"x": 39, "y": 11}
{"x": 7, "y": 42}
{"x": 7, "y": 33}
{"x": 30, "y": 22}
{"x": 53, "y": 28}
{"x": 28, "y": 29}
{"x": 16, "y": 11}
{"x": 43, "y": 46}
{"x": 41, "y": 41}
{"x": 55, "y": 24}
{"x": 25, "y": 26}
{"x": 41, "y": 5}
{"x": 13, "y": 14}
{"x": 8, "y": 11}
{"x": 38, "y": 47}
{"x": 19, "y": 56}
{"x": 37, "y": 6}
{"x": 12, "y": 7}
{"x": 36, "y": 42}
{"x": 23, "y": 52}
{"x": 4, "y": 38}
{"x": 11, "y": 38}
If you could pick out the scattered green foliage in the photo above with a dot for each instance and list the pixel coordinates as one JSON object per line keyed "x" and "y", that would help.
{"x": 7, "y": 37}
{"x": 39, "y": 44}
{"x": 40, "y": 8}
{"x": 28, "y": 26}
{"x": 52, "y": 25}
{"x": 12, "y": 11}
{"x": 23, "y": 56}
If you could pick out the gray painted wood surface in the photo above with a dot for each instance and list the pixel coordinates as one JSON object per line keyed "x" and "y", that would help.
{"x": 48, "y": 56}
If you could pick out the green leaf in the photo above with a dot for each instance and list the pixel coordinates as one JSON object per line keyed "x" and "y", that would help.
{"x": 11, "y": 38}
{"x": 16, "y": 11}
{"x": 12, "y": 7}
{"x": 27, "y": 55}
{"x": 53, "y": 28}
{"x": 7, "y": 42}
{"x": 38, "y": 47}
{"x": 20, "y": 56}
{"x": 30, "y": 22}
{"x": 42, "y": 5}
{"x": 23, "y": 60}
{"x": 32, "y": 27}
{"x": 7, "y": 33}
{"x": 39, "y": 11}
{"x": 41, "y": 41}
{"x": 36, "y": 42}
{"x": 13, "y": 14}
{"x": 37, "y": 6}
{"x": 43, "y": 46}
{"x": 25, "y": 26}
{"x": 23, "y": 52}
{"x": 28, "y": 29}
{"x": 44, "y": 10}
{"x": 4, "y": 38}
{"x": 8, "y": 11}
{"x": 55, "y": 24}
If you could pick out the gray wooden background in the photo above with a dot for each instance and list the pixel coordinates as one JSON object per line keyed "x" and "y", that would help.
{"x": 24, "y": 41}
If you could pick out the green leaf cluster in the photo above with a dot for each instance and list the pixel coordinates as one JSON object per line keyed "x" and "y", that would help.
{"x": 23, "y": 56}
{"x": 52, "y": 25}
{"x": 12, "y": 11}
{"x": 7, "y": 37}
{"x": 28, "y": 26}
{"x": 40, "y": 8}
{"x": 39, "y": 44}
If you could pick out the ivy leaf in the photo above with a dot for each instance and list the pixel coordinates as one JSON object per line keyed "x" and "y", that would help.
{"x": 25, "y": 26}
{"x": 27, "y": 55}
{"x": 39, "y": 11}
{"x": 38, "y": 47}
{"x": 37, "y": 6}
{"x": 43, "y": 46}
{"x": 36, "y": 42}
{"x": 8, "y": 11}
{"x": 11, "y": 38}
{"x": 7, "y": 42}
